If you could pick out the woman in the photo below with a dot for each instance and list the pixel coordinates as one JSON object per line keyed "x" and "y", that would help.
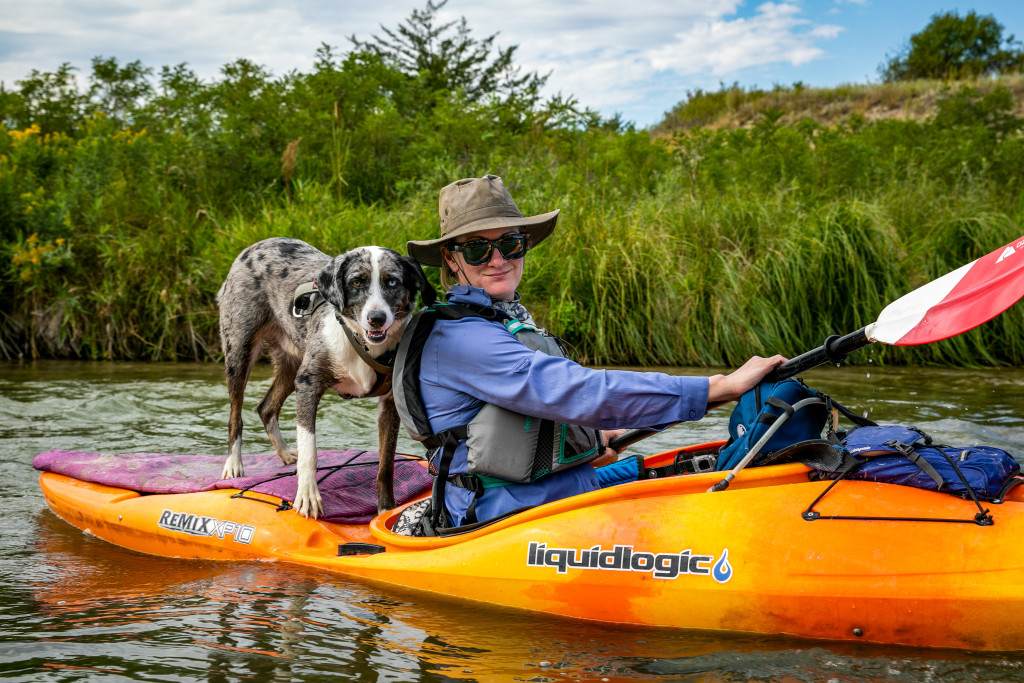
{"x": 516, "y": 416}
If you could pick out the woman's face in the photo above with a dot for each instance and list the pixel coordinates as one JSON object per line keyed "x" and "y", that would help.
{"x": 498, "y": 277}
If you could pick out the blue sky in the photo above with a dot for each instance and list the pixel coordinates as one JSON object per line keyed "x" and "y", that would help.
{"x": 636, "y": 58}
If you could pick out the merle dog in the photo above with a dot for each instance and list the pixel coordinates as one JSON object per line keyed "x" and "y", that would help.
{"x": 369, "y": 295}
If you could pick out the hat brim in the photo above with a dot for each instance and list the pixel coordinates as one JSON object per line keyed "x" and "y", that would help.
{"x": 428, "y": 252}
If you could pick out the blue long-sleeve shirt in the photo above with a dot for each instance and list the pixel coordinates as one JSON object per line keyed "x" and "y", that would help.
{"x": 472, "y": 361}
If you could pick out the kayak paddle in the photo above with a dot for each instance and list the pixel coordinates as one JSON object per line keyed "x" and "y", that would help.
{"x": 945, "y": 307}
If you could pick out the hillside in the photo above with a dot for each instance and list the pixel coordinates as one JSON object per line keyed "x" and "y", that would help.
{"x": 736, "y": 107}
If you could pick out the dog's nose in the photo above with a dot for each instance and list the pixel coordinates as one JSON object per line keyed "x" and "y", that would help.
{"x": 376, "y": 319}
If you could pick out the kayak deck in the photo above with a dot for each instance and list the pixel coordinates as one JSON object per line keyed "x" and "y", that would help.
{"x": 657, "y": 552}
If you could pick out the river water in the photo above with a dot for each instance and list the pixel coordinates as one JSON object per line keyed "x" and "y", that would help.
{"x": 73, "y": 607}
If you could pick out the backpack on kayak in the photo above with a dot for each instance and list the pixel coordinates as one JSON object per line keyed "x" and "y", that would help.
{"x": 783, "y": 422}
{"x": 778, "y": 416}
{"x": 908, "y": 456}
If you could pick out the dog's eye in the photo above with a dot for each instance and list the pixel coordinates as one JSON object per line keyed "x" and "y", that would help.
{"x": 392, "y": 282}
{"x": 357, "y": 283}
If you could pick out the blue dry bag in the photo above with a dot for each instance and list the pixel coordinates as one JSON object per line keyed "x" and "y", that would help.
{"x": 761, "y": 408}
{"x": 907, "y": 456}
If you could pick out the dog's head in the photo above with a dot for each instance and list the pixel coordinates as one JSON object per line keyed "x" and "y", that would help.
{"x": 374, "y": 289}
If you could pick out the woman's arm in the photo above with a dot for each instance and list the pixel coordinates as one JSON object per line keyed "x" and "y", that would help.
{"x": 480, "y": 361}
{"x": 725, "y": 388}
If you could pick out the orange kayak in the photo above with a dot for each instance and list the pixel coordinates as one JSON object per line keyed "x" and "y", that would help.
{"x": 660, "y": 552}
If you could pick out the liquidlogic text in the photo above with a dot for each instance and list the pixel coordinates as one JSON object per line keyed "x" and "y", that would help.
{"x": 624, "y": 558}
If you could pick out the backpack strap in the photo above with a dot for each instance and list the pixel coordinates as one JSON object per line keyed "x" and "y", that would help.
{"x": 451, "y": 437}
{"x": 850, "y": 415}
{"x": 834, "y": 409}
{"x": 820, "y": 454}
{"x": 770, "y": 419}
{"x": 776, "y": 424}
{"x": 913, "y": 456}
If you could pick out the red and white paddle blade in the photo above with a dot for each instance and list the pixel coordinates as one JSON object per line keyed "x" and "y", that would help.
{"x": 956, "y": 302}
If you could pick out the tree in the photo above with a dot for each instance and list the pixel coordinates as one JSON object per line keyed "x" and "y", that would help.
{"x": 445, "y": 58}
{"x": 951, "y": 46}
{"x": 119, "y": 91}
{"x": 182, "y": 101}
{"x": 48, "y": 99}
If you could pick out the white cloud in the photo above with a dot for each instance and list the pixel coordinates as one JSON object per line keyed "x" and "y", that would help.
{"x": 609, "y": 53}
{"x": 776, "y": 33}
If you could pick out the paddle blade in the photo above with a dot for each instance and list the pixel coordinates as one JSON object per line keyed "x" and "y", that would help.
{"x": 956, "y": 302}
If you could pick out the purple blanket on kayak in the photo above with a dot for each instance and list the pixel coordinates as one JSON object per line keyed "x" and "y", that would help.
{"x": 347, "y": 479}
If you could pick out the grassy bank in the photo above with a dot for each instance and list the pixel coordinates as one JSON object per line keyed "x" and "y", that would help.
{"x": 733, "y": 106}
{"x": 699, "y": 247}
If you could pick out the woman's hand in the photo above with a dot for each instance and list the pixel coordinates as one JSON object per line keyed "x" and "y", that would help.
{"x": 725, "y": 388}
{"x": 610, "y": 455}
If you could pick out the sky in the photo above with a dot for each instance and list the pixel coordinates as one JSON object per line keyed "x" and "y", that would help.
{"x": 633, "y": 58}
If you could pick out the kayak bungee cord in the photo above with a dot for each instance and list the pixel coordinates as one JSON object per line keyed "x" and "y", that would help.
{"x": 328, "y": 469}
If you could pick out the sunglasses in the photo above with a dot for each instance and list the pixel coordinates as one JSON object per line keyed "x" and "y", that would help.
{"x": 479, "y": 251}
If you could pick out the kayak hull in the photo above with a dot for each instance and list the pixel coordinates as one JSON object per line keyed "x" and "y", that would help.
{"x": 661, "y": 553}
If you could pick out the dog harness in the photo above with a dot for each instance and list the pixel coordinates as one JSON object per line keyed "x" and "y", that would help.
{"x": 503, "y": 447}
{"x": 306, "y": 300}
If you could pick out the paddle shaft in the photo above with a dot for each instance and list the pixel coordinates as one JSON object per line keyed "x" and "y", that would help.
{"x": 834, "y": 350}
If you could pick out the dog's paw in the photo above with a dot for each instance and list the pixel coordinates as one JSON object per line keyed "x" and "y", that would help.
{"x": 307, "y": 501}
{"x": 288, "y": 457}
{"x": 385, "y": 503}
{"x": 232, "y": 470}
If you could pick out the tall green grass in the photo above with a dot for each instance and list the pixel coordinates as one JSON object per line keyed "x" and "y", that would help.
{"x": 702, "y": 249}
{"x": 681, "y": 281}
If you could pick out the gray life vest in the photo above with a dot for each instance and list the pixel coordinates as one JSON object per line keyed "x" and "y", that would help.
{"x": 503, "y": 446}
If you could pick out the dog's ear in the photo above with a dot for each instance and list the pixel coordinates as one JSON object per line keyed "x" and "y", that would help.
{"x": 418, "y": 278}
{"x": 327, "y": 282}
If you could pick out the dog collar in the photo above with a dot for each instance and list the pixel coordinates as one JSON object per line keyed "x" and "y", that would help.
{"x": 382, "y": 384}
{"x": 365, "y": 354}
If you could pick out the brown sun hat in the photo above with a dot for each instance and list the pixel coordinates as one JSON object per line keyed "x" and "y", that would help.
{"x": 474, "y": 205}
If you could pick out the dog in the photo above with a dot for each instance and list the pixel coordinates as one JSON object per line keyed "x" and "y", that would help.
{"x": 368, "y": 296}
